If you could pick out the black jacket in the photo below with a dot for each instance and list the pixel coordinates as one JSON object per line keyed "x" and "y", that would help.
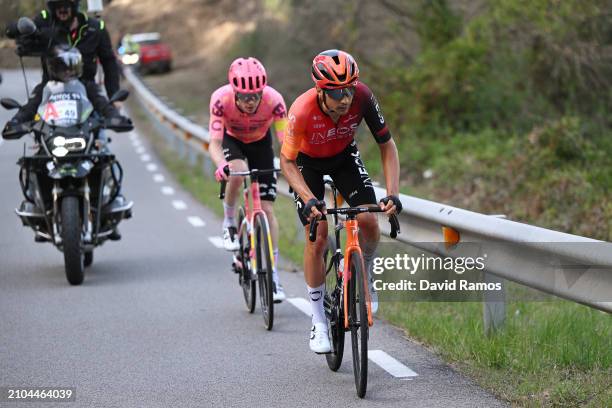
{"x": 90, "y": 37}
{"x": 28, "y": 111}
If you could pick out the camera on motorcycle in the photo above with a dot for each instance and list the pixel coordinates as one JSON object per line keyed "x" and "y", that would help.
{"x": 119, "y": 96}
{"x": 26, "y": 26}
{"x": 9, "y": 103}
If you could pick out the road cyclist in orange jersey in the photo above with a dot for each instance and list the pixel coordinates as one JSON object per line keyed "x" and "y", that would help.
{"x": 320, "y": 141}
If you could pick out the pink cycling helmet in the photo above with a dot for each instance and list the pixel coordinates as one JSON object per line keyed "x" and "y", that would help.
{"x": 247, "y": 75}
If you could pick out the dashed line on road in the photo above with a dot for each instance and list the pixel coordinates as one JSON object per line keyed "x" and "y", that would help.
{"x": 166, "y": 190}
{"x": 196, "y": 222}
{"x": 152, "y": 167}
{"x": 133, "y": 136}
{"x": 390, "y": 365}
{"x": 302, "y": 304}
{"x": 179, "y": 205}
{"x": 158, "y": 178}
{"x": 140, "y": 150}
{"x": 217, "y": 241}
{"x": 145, "y": 158}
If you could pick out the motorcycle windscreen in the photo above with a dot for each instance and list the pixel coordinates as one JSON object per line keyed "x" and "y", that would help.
{"x": 65, "y": 104}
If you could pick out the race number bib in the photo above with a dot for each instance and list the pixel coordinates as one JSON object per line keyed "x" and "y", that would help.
{"x": 62, "y": 113}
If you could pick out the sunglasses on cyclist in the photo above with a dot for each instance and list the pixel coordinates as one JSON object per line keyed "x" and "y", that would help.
{"x": 250, "y": 97}
{"x": 338, "y": 94}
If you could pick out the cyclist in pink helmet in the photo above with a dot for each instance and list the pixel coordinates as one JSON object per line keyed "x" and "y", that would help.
{"x": 241, "y": 116}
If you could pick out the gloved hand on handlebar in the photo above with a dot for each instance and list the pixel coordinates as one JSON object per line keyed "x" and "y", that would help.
{"x": 14, "y": 129}
{"x": 391, "y": 204}
{"x": 119, "y": 123}
{"x": 222, "y": 172}
{"x": 313, "y": 209}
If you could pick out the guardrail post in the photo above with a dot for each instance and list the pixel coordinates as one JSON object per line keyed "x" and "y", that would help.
{"x": 193, "y": 157}
{"x": 182, "y": 149}
{"x": 494, "y": 306}
{"x": 207, "y": 165}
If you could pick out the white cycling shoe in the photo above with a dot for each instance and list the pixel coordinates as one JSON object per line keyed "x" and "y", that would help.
{"x": 230, "y": 239}
{"x": 278, "y": 295}
{"x": 319, "y": 339}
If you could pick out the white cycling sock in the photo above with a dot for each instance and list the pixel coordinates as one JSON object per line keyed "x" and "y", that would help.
{"x": 316, "y": 303}
{"x": 369, "y": 253}
{"x": 275, "y": 269}
{"x": 228, "y": 216}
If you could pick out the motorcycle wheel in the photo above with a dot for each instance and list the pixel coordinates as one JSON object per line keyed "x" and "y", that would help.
{"x": 71, "y": 237}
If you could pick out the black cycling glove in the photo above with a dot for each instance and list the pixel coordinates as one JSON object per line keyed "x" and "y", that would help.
{"x": 396, "y": 201}
{"x": 313, "y": 202}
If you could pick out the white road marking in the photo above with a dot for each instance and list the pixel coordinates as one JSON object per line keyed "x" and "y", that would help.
{"x": 140, "y": 150}
{"x": 136, "y": 143}
{"x": 196, "y": 222}
{"x": 390, "y": 365}
{"x": 179, "y": 205}
{"x": 302, "y": 304}
{"x": 158, "y": 178}
{"x": 145, "y": 158}
{"x": 133, "y": 136}
{"x": 217, "y": 241}
{"x": 166, "y": 190}
{"x": 152, "y": 167}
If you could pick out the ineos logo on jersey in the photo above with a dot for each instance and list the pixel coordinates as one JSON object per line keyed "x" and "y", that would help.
{"x": 341, "y": 132}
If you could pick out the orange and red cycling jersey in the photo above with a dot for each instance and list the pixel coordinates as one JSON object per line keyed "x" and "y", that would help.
{"x": 315, "y": 134}
{"x": 225, "y": 117}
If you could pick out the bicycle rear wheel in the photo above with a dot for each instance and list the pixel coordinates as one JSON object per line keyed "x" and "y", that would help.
{"x": 358, "y": 323}
{"x": 263, "y": 253}
{"x": 333, "y": 306}
{"x": 244, "y": 256}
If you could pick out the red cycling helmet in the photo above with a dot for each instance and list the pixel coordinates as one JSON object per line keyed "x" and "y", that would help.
{"x": 334, "y": 69}
{"x": 247, "y": 75}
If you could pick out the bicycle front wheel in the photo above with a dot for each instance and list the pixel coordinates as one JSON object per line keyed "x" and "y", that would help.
{"x": 263, "y": 253}
{"x": 358, "y": 323}
{"x": 244, "y": 257}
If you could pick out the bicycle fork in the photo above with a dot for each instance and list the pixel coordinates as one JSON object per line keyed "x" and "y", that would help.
{"x": 352, "y": 245}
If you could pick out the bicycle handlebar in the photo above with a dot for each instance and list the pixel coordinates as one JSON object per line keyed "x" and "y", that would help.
{"x": 252, "y": 172}
{"x": 353, "y": 211}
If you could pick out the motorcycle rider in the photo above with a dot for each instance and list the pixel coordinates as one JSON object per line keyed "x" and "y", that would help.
{"x": 65, "y": 64}
{"x": 62, "y": 23}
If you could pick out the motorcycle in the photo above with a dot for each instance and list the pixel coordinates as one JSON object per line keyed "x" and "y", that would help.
{"x": 71, "y": 185}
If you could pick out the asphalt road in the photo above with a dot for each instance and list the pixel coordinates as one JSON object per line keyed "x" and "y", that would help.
{"x": 160, "y": 320}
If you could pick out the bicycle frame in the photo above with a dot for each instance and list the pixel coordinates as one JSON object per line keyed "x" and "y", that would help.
{"x": 252, "y": 210}
{"x": 252, "y": 207}
{"x": 352, "y": 245}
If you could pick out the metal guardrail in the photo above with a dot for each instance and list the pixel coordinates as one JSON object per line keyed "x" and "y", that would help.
{"x": 565, "y": 265}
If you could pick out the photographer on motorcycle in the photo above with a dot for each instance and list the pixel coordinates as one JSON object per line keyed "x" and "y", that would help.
{"x": 62, "y": 23}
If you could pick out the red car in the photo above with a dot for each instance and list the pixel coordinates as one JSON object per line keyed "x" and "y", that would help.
{"x": 147, "y": 52}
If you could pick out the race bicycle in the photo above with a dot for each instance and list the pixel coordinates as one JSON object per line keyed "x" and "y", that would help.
{"x": 254, "y": 259}
{"x": 347, "y": 299}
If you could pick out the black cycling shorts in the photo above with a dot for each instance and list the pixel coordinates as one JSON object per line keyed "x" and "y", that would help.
{"x": 259, "y": 155}
{"x": 346, "y": 170}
